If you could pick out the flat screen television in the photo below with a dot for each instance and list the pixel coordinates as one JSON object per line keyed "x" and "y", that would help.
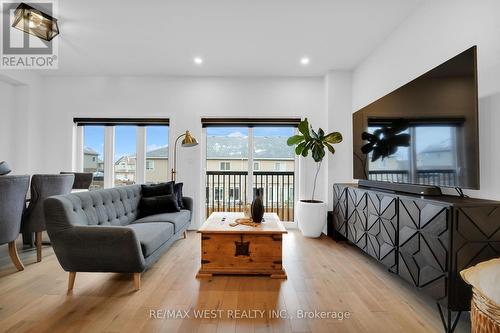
{"x": 425, "y": 132}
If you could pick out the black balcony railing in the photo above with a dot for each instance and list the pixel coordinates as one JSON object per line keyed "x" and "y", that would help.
{"x": 440, "y": 177}
{"x": 227, "y": 191}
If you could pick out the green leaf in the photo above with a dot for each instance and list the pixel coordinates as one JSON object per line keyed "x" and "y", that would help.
{"x": 321, "y": 133}
{"x": 300, "y": 147}
{"x": 314, "y": 134}
{"x": 334, "y": 137}
{"x": 305, "y": 151}
{"x": 304, "y": 128}
{"x": 318, "y": 153}
{"x": 330, "y": 148}
{"x": 293, "y": 140}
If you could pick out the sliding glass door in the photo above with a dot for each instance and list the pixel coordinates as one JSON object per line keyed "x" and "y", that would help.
{"x": 274, "y": 176}
{"x": 244, "y": 161}
{"x": 227, "y": 169}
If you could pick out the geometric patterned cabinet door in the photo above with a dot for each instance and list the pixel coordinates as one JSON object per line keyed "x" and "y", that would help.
{"x": 356, "y": 217}
{"x": 476, "y": 238}
{"x": 426, "y": 241}
{"x": 382, "y": 226}
{"x": 340, "y": 210}
{"x": 424, "y": 245}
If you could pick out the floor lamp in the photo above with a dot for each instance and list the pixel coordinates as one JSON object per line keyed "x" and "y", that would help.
{"x": 188, "y": 141}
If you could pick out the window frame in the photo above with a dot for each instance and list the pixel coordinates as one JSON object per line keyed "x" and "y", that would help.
{"x": 109, "y": 125}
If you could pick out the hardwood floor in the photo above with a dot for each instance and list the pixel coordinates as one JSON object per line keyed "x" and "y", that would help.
{"x": 322, "y": 275}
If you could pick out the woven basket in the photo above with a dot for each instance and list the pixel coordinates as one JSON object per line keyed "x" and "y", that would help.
{"x": 484, "y": 313}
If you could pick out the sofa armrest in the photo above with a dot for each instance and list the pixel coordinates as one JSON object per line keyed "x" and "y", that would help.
{"x": 188, "y": 203}
{"x": 99, "y": 249}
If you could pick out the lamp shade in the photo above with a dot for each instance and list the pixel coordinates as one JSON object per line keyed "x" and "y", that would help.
{"x": 189, "y": 140}
{"x": 35, "y": 22}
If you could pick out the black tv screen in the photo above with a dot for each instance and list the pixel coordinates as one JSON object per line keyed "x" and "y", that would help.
{"x": 425, "y": 132}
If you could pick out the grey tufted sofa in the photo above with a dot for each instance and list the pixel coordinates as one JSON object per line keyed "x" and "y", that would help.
{"x": 99, "y": 231}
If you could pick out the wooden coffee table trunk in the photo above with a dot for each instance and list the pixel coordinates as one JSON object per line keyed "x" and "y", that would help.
{"x": 241, "y": 249}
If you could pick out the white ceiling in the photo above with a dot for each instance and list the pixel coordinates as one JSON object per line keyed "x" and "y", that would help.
{"x": 234, "y": 37}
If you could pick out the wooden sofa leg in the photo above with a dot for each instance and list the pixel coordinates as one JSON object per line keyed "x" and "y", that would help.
{"x": 137, "y": 281}
{"x": 71, "y": 281}
{"x": 185, "y": 234}
{"x": 14, "y": 256}
{"x": 38, "y": 241}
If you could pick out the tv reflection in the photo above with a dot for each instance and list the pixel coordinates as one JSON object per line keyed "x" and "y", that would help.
{"x": 420, "y": 151}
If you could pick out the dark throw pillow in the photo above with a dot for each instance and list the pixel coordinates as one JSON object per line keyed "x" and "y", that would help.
{"x": 158, "y": 205}
{"x": 156, "y": 190}
{"x": 178, "y": 193}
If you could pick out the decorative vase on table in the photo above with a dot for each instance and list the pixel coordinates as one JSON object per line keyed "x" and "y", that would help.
{"x": 257, "y": 209}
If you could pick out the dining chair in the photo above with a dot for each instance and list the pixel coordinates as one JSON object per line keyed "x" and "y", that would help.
{"x": 13, "y": 190}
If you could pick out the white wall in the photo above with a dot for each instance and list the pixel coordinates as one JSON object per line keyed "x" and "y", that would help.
{"x": 7, "y": 98}
{"x": 19, "y": 98}
{"x": 434, "y": 33}
{"x": 184, "y": 100}
{"x": 338, "y": 93}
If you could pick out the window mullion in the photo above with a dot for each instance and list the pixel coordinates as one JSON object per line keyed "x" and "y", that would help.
{"x": 250, "y": 165}
{"x": 109, "y": 152}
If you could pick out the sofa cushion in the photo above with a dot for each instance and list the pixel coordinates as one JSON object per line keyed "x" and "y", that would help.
{"x": 152, "y": 235}
{"x": 159, "y": 205}
{"x": 178, "y": 193}
{"x": 155, "y": 190}
{"x": 179, "y": 219}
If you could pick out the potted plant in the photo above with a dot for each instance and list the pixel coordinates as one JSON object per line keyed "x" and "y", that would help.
{"x": 311, "y": 214}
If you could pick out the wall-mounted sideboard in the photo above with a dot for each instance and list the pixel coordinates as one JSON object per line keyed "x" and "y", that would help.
{"x": 427, "y": 241}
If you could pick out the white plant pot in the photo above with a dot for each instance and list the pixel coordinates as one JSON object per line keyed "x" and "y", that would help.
{"x": 311, "y": 217}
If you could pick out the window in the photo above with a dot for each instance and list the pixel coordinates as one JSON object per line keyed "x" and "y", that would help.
{"x": 140, "y": 148}
{"x": 225, "y": 166}
{"x": 234, "y": 194}
{"x": 219, "y": 194}
{"x": 256, "y": 166}
{"x": 93, "y": 154}
{"x": 157, "y": 169}
{"x": 125, "y": 155}
{"x": 279, "y": 166}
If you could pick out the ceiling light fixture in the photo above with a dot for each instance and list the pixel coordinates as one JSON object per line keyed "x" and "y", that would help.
{"x": 34, "y": 22}
{"x": 198, "y": 61}
{"x": 304, "y": 61}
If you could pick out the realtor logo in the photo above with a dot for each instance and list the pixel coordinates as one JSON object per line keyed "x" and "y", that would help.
{"x": 25, "y": 49}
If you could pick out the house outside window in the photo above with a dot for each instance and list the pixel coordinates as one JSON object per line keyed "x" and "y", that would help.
{"x": 225, "y": 166}
{"x": 150, "y": 165}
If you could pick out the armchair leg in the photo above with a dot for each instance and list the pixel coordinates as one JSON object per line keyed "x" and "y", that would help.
{"x": 185, "y": 234}
{"x": 38, "y": 241}
{"x": 14, "y": 256}
{"x": 71, "y": 281}
{"x": 137, "y": 281}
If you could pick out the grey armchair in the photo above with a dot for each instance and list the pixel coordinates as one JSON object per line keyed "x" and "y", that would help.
{"x": 42, "y": 187}
{"x": 13, "y": 191}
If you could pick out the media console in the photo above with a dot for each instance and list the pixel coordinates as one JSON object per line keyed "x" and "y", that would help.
{"x": 427, "y": 241}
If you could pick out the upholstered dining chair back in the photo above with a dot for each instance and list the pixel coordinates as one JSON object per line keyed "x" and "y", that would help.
{"x": 13, "y": 191}
{"x": 83, "y": 180}
{"x": 42, "y": 187}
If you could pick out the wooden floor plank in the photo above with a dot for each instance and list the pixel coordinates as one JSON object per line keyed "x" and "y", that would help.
{"x": 323, "y": 275}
